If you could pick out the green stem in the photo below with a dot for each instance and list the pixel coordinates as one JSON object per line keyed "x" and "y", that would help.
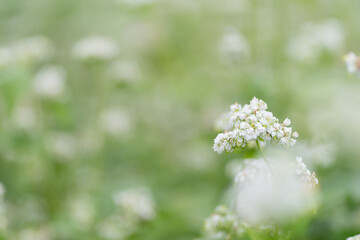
{"x": 263, "y": 156}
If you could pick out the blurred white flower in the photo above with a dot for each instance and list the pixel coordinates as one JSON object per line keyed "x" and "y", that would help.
{"x": 28, "y": 50}
{"x": 125, "y": 71}
{"x": 253, "y": 123}
{"x": 356, "y": 237}
{"x": 116, "y": 227}
{"x": 115, "y": 122}
{"x": 82, "y": 210}
{"x": 280, "y": 194}
{"x": 49, "y": 82}
{"x": 313, "y": 39}
{"x": 39, "y": 233}
{"x": 24, "y": 116}
{"x": 316, "y": 154}
{"x": 222, "y": 223}
{"x": 305, "y": 174}
{"x": 233, "y": 46}
{"x": 137, "y": 202}
{"x": 62, "y": 145}
{"x": 95, "y": 48}
{"x": 352, "y": 63}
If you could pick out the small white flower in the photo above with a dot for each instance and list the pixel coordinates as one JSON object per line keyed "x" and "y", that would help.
{"x": 287, "y": 122}
{"x": 28, "y": 50}
{"x": 24, "y": 117}
{"x": 356, "y": 237}
{"x": 233, "y": 46}
{"x": 49, "y": 82}
{"x": 125, "y": 71}
{"x": 305, "y": 174}
{"x": 315, "y": 38}
{"x": 221, "y": 223}
{"x": 115, "y": 122}
{"x": 136, "y": 202}
{"x": 352, "y": 63}
{"x": 95, "y": 48}
{"x": 62, "y": 145}
{"x": 39, "y": 233}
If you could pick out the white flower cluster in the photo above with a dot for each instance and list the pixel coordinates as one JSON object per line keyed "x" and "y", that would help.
{"x": 264, "y": 195}
{"x": 253, "y": 123}
{"x": 49, "y": 82}
{"x": 125, "y": 72}
{"x": 116, "y": 227}
{"x": 62, "y": 145}
{"x": 356, "y": 237}
{"x": 115, "y": 122}
{"x": 136, "y": 202}
{"x": 314, "y": 38}
{"x": 305, "y": 174}
{"x": 352, "y": 63}
{"x": 38, "y": 233}
{"x": 134, "y": 207}
{"x": 95, "y": 48}
{"x": 32, "y": 49}
{"x": 251, "y": 170}
{"x": 233, "y": 46}
{"x": 221, "y": 223}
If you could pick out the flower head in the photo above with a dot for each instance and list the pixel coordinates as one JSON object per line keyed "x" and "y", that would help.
{"x": 95, "y": 48}
{"x": 352, "y": 63}
{"x": 233, "y": 46}
{"x": 49, "y": 82}
{"x": 356, "y": 237}
{"x": 222, "y": 222}
{"x": 252, "y": 122}
{"x": 136, "y": 202}
{"x": 281, "y": 193}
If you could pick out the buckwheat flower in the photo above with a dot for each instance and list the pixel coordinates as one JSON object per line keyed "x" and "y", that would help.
{"x": 62, "y": 145}
{"x": 24, "y": 117}
{"x": 251, "y": 170}
{"x": 315, "y": 38}
{"x": 28, "y": 50}
{"x": 49, "y": 82}
{"x": 262, "y": 198}
{"x": 125, "y": 72}
{"x": 95, "y": 48}
{"x": 136, "y": 202}
{"x": 115, "y": 122}
{"x": 81, "y": 210}
{"x": 38, "y": 233}
{"x": 352, "y": 63}
{"x": 116, "y": 227}
{"x": 36, "y": 48}
{"x": 253, "y": 123}
{"x": 305, "y": 174}
{"x": 233, "y": 46}
{"x": 222, "y": 223}
{"x": 356, "y": 237}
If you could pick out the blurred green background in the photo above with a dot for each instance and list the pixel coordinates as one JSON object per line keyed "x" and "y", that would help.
{"x": 151, "y": 123}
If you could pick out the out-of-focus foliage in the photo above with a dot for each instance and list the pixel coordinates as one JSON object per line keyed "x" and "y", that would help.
{"x": 102, "y": 97}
